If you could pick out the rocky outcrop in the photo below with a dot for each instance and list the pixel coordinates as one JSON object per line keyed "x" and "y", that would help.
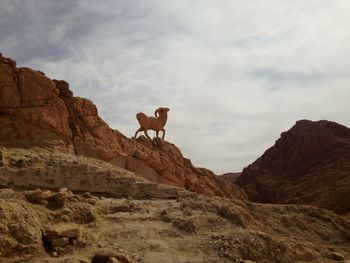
{"x": 38, "y": 111}
{"x": 91, "y": 136}
{"x": 309, "y": 164}
{"x": 31, "y": 111}
{"x": 43, "y": 169}
{"x": 168, "y": 166}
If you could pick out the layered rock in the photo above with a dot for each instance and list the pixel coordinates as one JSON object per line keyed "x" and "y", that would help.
{"x": 309, "y": 164}
{"x": 39, "y": 168}
{"x": 38, "y": 111}
{"x": 31, "y": 112}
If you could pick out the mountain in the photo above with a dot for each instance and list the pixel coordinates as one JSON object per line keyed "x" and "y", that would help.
{"x": 309, "y": 164}
{"x": 38, "y": 111}
{"x": 231, "y": 177}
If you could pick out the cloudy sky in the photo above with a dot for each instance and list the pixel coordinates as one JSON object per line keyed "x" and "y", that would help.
{"x": 234, "y": 73}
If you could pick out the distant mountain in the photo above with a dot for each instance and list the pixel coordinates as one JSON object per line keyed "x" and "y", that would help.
{"x": 230, "y": 177}
{"x": 309, "y": 164}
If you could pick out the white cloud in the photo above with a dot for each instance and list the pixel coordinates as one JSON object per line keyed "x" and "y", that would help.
{"x": 235, "y": 74}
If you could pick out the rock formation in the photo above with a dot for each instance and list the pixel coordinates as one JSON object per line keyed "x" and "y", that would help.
{"x": 309, "y": 164}
{"x": 38, "y": 111}
{"x": 31, "y": 112}
{"x": 40, "y": 168}
{"x": 74, "y": 190}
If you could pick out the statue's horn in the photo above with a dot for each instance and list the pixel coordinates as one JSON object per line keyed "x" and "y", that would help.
{"x": 157, "y": 112}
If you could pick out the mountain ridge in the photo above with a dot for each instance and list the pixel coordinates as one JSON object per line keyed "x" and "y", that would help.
{"x": 309, "y": 164}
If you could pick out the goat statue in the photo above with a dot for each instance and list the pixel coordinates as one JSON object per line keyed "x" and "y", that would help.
{"x": 156, "y": 123}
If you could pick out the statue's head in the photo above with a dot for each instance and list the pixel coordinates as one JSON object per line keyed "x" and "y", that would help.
{"x": 161, "y": 111}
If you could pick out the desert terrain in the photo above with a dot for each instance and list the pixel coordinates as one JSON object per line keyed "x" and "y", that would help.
{"x": 73, "y": 190}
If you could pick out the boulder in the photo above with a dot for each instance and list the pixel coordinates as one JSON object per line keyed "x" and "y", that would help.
{"x": 103, "y": 257}
{"x": 60, "y": 237}
{"x": 55, "y": 199}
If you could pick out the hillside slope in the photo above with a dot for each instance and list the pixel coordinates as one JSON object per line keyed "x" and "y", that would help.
{"x": 38, "y": 111}
{"x": 309, "y": 164}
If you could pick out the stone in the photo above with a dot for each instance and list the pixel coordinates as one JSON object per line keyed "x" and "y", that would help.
{"x": 61, "y": 231}
{"x": 38, "y": 196}
{"x": 19, "y": 163}
{"x": 304, "y": 255}
{"x": 60, "y": 242}
{"x": 336, "y": 256}
{"x": 103, "y": 257}
{"x": 55, "y": 199}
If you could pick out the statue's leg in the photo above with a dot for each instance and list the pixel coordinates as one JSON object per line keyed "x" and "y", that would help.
{"x": 147, "y": 135}
{"x": 157, "y": 134}
{"x": 139, "y": 129}
{"x": 163, "y": 130}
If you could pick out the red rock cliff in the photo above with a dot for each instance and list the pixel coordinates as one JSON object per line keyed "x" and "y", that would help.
{"x": 38, "y": 111}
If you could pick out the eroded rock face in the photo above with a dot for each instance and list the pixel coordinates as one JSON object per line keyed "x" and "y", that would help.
{"x": 38, "y": 111}
{"x": 309, "y": 164}
{"x": 164, "y": 163}
{"x": 31, "y": 112}
{"x": 43, "y": 169}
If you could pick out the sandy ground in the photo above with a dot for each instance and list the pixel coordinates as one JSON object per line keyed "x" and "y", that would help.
{"x": 188, "y": 228}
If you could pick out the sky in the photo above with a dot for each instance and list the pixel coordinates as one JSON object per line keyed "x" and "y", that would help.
{"x": 234, "y": 73}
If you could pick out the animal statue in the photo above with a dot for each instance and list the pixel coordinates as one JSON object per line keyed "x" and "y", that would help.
{"x": 156, "y": 123}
